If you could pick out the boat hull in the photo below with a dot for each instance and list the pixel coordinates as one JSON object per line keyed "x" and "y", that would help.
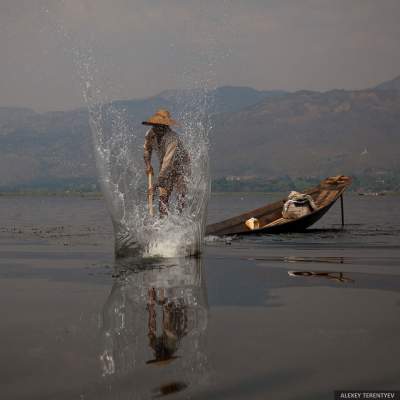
{"x": 270, "y": 215}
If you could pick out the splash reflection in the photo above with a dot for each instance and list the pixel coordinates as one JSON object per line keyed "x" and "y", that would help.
{"x": 153, "y": 326}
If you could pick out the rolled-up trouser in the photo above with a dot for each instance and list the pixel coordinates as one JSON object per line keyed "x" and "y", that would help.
{"x": 177, "y": 182}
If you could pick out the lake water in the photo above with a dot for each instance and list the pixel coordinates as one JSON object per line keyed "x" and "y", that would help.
{"x": 292, "y": 316}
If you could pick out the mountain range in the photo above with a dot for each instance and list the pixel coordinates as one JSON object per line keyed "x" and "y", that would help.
{"x": 255, "y": 135}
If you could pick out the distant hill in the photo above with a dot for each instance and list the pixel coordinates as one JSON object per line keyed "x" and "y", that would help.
{"x": 310, "y": 134}
{"x": 393, "y": 84}
{"x": 12, "y": 116}
{"x": 38, "y": 149}
{"x": 45, "y": 147}
{"x": 222, "y": 99}
{"x": 256, "y": 135}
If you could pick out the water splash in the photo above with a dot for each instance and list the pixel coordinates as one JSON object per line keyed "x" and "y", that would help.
{"x": 121, "y": 173}
{"x": 120, "y": 164}
{"x": 118, "y": 147}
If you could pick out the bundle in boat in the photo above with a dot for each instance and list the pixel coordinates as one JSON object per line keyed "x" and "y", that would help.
{"x": 298, "y": 205}
{"x": 253, "y": 223}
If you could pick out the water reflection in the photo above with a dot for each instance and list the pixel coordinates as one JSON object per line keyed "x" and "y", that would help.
{"x": 332, "y": 276}
{"x": 153, "y": 326}
{"x": 303, "y": 259}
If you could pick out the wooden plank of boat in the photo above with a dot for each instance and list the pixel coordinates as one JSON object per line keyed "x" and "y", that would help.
{"x": 270, "y": 216}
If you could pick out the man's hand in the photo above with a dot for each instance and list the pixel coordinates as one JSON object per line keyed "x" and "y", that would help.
{"x": 152, "y": 190}
{"x": 149, "y": 170}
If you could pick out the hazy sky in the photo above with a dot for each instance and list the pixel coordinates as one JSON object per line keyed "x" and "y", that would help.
{"x": 142, "y": 47}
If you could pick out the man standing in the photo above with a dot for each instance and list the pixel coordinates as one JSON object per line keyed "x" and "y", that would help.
{"x": 173, "y": 157}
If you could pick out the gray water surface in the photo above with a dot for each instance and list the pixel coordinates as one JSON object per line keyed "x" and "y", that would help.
{"x": 292, "y": 316}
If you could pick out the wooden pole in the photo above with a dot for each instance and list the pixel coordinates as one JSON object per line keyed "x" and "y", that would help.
{"x": 342, "y": 210}
{"x": 149, "y": 194}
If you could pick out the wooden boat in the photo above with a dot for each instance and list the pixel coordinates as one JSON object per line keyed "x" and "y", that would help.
{"x": 270, "y": 216}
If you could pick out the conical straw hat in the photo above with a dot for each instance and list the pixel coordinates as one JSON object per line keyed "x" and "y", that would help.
{"x": 161, "y": 117}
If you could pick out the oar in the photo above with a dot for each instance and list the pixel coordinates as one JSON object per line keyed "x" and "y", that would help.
{"x": 150, "y": 194}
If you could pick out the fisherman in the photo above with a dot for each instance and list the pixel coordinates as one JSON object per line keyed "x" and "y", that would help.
{"x": 173, "y": 158}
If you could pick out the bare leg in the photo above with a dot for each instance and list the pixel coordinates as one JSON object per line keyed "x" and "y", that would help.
{"x": 164, "y": 195}
{"x": 181, "y": 191}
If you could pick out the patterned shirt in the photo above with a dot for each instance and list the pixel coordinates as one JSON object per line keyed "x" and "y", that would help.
{"x": 173, "y": 157}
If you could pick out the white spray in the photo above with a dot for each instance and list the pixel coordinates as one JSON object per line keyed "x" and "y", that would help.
{"x": 118, "y": 149}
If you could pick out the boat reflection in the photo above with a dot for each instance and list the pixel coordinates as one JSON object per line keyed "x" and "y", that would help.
{"x": 153, "y": 325}
{"x": 332, "y": 276}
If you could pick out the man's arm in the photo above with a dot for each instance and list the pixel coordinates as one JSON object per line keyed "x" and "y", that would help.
{"x": 148, "y": 149}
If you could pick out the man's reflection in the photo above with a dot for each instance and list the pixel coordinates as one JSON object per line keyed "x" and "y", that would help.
{"x": 156, "y": 316}
{"x": 174, "y": 325}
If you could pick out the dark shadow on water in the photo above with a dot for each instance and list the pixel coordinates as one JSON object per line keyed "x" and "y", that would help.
{"x": 169, "y": 388}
